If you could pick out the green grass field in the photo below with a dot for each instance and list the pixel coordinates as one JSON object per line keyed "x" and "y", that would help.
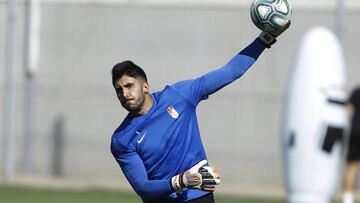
{"x": 12, "y": 194}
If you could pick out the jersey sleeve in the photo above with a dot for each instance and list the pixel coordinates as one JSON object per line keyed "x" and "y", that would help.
{"x": 198, "y": 89}
{"x": 135, "y": 172}
{"x": 192, "y": 90}
{"x": 234, "y": 69}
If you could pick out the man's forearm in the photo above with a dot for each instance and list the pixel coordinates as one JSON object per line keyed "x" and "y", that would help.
{"x": 145, "y": 188}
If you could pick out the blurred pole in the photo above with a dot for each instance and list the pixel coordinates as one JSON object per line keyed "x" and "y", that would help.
{"x": 9, "y": 92}
{"x": 31, "y": 64}
{"x": 58, "y": 147}
{"x": 339, "y": 27}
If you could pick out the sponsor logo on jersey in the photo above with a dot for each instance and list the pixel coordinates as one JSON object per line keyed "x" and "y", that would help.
{"x": 142, "y": 137}
{"x": 172, "y": 111}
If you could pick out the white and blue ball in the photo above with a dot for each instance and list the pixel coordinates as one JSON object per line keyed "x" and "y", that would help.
{"x": 270, "y": 15}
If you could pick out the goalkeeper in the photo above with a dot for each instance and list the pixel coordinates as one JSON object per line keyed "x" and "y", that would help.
{"x": 158, "y": 144}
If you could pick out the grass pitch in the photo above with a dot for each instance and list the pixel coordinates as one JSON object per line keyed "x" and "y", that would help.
{"x": 15, "y": 194}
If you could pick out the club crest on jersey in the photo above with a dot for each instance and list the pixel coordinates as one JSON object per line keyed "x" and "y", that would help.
{"x": 172, "y": 111}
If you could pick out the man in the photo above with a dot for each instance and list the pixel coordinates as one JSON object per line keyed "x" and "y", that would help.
{"x": 353, "y": 155}
{"x": 158, "y": 145}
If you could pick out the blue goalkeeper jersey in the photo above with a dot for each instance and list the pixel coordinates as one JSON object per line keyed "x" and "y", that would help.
{"x": 154, "y": 147}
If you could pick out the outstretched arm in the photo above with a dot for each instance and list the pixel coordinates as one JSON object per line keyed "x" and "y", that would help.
{"x": 234, "y": 69}
{"x": 198, "y": 89}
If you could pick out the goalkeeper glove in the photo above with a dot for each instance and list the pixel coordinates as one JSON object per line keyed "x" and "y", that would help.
{"x": 198, "y": 177}
{"x": 269, "y": 37}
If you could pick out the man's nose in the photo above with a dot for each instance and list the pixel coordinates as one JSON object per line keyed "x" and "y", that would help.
{"x": 125, "y": 94}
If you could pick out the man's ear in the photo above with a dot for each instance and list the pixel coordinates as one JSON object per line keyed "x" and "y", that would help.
{"x": 146, "y": 87}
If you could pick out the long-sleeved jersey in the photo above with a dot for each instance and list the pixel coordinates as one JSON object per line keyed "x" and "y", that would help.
{"x": 164, "y": 142}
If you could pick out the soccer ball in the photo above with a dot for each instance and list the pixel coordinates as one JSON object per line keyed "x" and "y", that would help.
{"x": 270, "y": 15}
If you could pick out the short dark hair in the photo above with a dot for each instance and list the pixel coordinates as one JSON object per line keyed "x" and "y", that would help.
{"x": 127, "y": 68}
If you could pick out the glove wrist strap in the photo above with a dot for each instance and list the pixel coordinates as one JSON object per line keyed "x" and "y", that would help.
{"x": 176, "y": 183}
{"x": 267, "y": 39}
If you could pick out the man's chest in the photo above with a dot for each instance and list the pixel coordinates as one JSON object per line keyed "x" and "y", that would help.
{"x": 158, "y": 132}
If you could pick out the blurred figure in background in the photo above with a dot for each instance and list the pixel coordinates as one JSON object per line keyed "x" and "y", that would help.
{"x": 353, "y": 156}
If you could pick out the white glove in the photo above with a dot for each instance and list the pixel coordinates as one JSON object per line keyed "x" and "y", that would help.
{"x": 269, "y": 37}
{"x": 198, "y": 177}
